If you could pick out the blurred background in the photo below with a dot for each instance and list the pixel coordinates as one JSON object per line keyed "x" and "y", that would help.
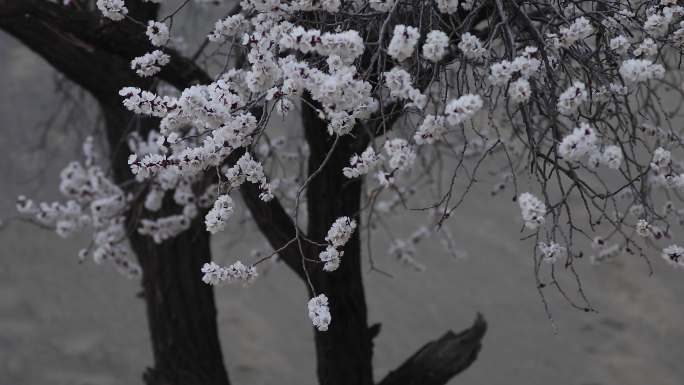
{"x": 62, "y": 322}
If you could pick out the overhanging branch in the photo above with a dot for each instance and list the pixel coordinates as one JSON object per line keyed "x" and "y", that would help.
{"x": 38, "y": 22}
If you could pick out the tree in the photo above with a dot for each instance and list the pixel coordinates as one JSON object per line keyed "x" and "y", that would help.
{"x": 563, "y": 98}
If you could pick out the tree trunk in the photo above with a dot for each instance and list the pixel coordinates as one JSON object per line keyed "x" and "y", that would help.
{"x": 181, "y": 311}
{"x": 344, "y": 352}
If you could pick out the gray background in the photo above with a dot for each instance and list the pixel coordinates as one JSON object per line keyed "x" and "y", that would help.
{"x": 67, "y": 323}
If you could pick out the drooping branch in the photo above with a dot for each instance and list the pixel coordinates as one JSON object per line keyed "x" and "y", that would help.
{"x": 440, "y": 360}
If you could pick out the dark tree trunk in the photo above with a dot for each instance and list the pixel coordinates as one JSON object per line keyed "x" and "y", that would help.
{"x": 344, "y": 352}
{"x": 181, "y": 311}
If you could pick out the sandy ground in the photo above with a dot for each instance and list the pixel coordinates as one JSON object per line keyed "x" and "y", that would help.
{"x": 71, "y": 324}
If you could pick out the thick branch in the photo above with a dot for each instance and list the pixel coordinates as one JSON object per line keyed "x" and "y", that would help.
{"x": 92, "y": 44}
{"x": 438, "y": 361}
{"x": 277, "y": 226}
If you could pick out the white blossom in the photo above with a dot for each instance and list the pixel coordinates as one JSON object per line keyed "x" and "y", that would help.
{"x": 401, "y": 154}
{"x": 551, "y": 252}
{"x": 381, "y": 5}
{"x": 641, "y": 70}
{"x": 646, "y": 48}
{"x": 112, "y": 9}
{"x": 447, "y": 6}
{"x": 612, "y": 157}
{"x": 471, "y": 47}
{"x": 331, "y": 258}
{"x": 399, "y": 83}
{"x": 436, "y": 43}
{"x": 464, "y": 108}
{"x": 158, "y": 33}
{"x": 340, "y": 231}
{"x": 145, "y": 102}
{"x": 579, "y": 30}
{"x": 229, "y": 27}
{"x": 519, "y": 91}
{"x": 657, "y": 24}
{"x": 216, "y": 217}
{"x": 643, "y": 228}
{"x": 572, "y": 98}
{"x": 248, "y": 169}
{"x": 577, "y": 144}
{"x": 95, "y": 203}
{"x": 533, "y": 211}
{"x": 150, "y": 63}
{"x": 362, "y": 164}
{"x": 319, "y": 313}
{"x": 673, "y": 255}
{"x": 214, "y": 274}
{"x": 661, "y": 159}
{"x": 431, "y": 130}
{"x": 404, "y": 40}
{"x": 619, "y": 44}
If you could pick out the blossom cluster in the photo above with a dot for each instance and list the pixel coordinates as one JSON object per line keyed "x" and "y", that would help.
{"x": 214, "y": 274}
{"x": 674, "y": 254}
{"x": 216, "y": 217}
{"x": 579, "y": 30}
{"x": 250, "y": 170}
{"x": 94, "y": 202}
{"x": 641, "y": 70}
{"x": 524, "y": 66}
{"x": 338, "y": 235}
{"x": 404, "y": 40}
{"x": 157, "y": 32}
{"x": 471, "y": 47}
{"x": 551, "y": 252}
{"x": 533, "y": 211}
{"x": 150, "y": 63}
{"x": 229, "y": 27}
{"x": 571, "y": 99}
{"x": 112, "y": 9}
{"x": 362, "y": 164}
{"x": 319, "y": 312}
{"x": 398, "y": 81}
{"x": 347, "y": 45}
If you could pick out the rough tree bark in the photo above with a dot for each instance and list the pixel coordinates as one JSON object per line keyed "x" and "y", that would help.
{"x": 181, "y": 311}
{"x": 344, "y": 352}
